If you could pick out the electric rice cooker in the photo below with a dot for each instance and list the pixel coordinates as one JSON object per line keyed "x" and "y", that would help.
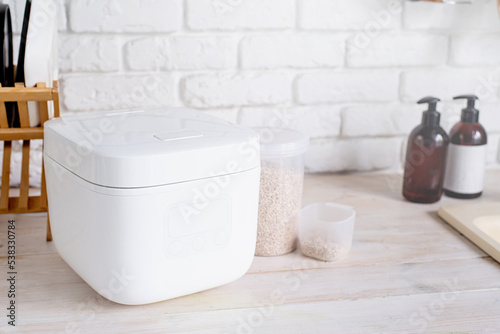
{"x": 150, "y": 205}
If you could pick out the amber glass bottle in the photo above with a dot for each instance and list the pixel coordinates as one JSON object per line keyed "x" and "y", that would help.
{"x": 426, "y": 157}
{"x": 467, "y": 157}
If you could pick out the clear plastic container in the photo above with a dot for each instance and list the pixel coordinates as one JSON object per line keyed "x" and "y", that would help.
{"x": 326, "y": 230}
{"x": 281, "y": 183}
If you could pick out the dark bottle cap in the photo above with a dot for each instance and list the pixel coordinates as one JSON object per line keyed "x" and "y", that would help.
{"x": 469, "y": 114}
{"x": 430, "y": 117}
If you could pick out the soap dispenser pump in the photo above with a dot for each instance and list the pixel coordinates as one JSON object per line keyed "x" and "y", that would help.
{"x": 426, "y": 157}
{"x": 466, "y": 164}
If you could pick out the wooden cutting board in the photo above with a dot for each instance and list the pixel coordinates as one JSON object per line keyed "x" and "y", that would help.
{"x": 479, "y": 222}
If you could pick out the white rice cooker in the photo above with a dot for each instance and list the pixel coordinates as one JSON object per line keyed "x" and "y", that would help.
{"x": 153, "y": 204}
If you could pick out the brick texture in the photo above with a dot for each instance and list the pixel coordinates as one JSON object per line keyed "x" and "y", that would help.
{"x": 482, "y": 16}
{"x": 89, "y": 54}
{"x": 240, "y": 14}
{"x": 125, "y": 15}
{"x": 181, "y": 53}
{"x": 370, "y": 16}
{"x": 397, "y": 50}
{"x": 475, "y": 50}
{"x": 448, "y": 83}
{"x": 347, "y": 73}
{"x": 387, "y": 120}
{"x": 270, "y": 51}
{"x": 363, "y": 154}
{"x": 117, "y": 92}
{"x": 322, "y": 87}
{"x": 317, "y": 121}
{"x": 227, "y": 90}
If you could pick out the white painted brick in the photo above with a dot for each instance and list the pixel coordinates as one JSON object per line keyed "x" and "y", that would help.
{"x": 147, "y": 53}
{"x": 377, "y": 120}
{"x": 397, "y": 50}
{"x": 450, "y": 113}
{"x": 354, "y": 116}
{"x": 125, "y": 15}
{"x": 370, "y": 16}
{"x": 364, "y": 154}
{"x": 493, "y": 157}
{"x": 292, "y": 50}
{"x": 436, "y": 16}
{"x": 359, "y": 86}
{"x": 208, "y": 52}
{"x": 107, "y": 92}
{"x": 475, "y": 50}
{"x": 240, "y": 14}
{"x": 317, "y": 121}
{"x": 445, "y": 84}
{"x": 230, "y": 115}
{"x": 233, "y": 89}
{"x": 182, "y": 53}
{"x": 88, "y": 53}
{"x": 489, "y": 116}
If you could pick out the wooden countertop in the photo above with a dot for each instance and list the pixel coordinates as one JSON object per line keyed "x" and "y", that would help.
{"x": 408, "y": 272}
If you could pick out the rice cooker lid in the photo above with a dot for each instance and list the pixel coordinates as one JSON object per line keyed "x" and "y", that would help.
{"x": 147, "y": 148}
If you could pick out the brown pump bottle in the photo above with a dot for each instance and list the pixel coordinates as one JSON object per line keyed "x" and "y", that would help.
{"x": 426, "y": 157}
{"x": 466, "y": 163}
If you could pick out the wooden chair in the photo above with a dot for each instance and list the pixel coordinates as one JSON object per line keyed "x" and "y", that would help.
{"x": 24, "y": 203}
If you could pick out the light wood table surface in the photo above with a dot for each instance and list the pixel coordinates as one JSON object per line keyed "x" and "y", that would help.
{"x": 408, "y": 272}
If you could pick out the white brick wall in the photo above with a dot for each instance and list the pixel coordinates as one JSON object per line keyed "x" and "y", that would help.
{"x": 480, "y": 49}
{"x": 182, "y": 53}
{"x": 358, "y": 154}
{"x": 236, "y": 89}
{"x": 236, "y": 15}
{"x": 270, "y": 50}
{"x": 374, "y": 121}
{"x": 346, "y": 86}
{"x": 323, "y": 121}
{"x": 399, "y": 50}
{"x": 349, "y": 14}
{"x": 449, "y": 82}
{"x": 83, "y": 53}
{"x": 347, "y": 73}
{"x": 426, "y": 15}
{"x": 107, "y": 92}
{"x": 125, "y": 15}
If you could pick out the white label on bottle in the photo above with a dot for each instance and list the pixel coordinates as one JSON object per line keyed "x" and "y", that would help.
{"x": 465, "y": 168}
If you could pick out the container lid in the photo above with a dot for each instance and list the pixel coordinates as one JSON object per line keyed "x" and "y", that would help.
{"x": 431, "y": 117}
{"x": 147, "y": 148}
{"x": 470, "y": 114}
{"x": 279, "y": 142}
